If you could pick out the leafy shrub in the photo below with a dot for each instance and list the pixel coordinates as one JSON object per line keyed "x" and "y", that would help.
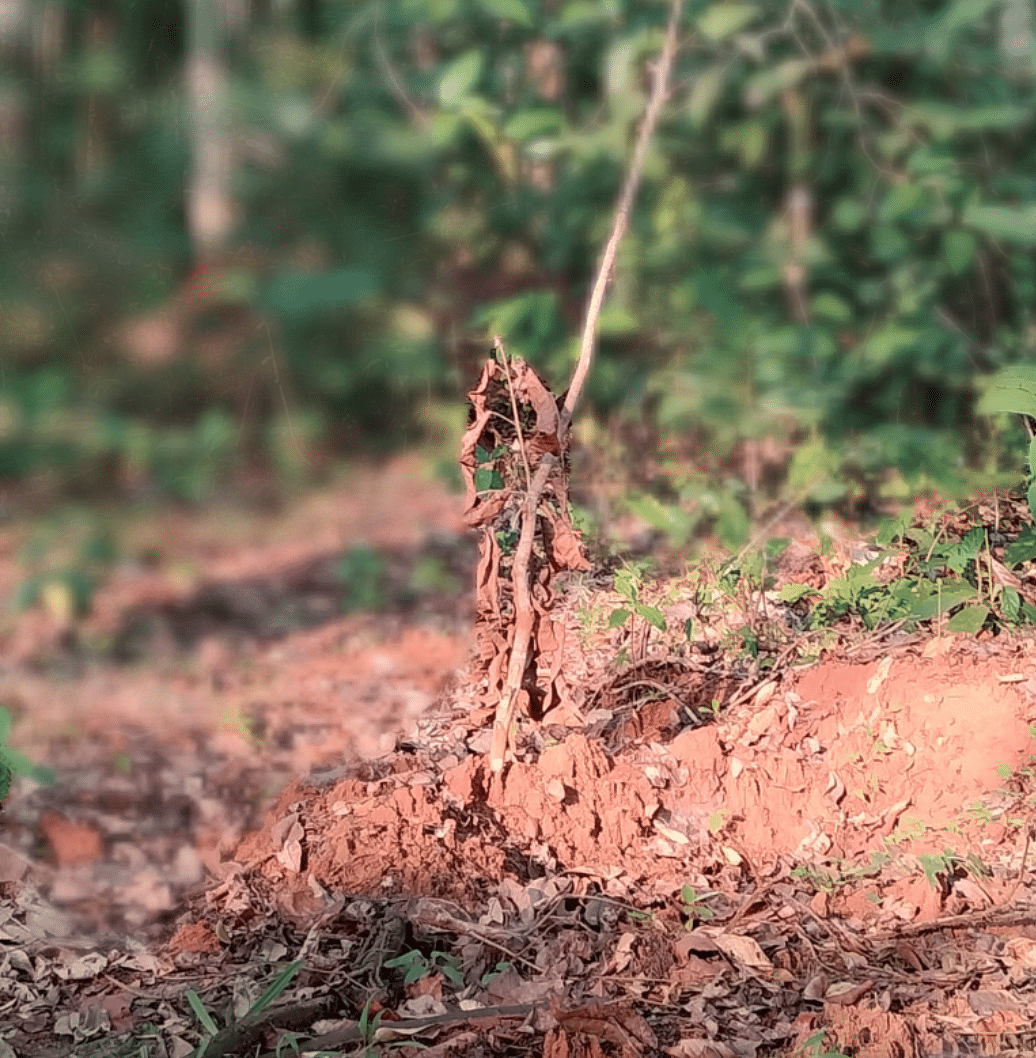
{"x": 834, "y": 240}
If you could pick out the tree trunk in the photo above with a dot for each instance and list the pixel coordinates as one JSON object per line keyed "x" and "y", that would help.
{"x": 211, "y": 209}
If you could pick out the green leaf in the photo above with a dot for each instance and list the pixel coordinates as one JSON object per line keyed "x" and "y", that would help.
{"x": 445, "y": 126}
{"x": 768, "y": 83}
{"x": 413, "y": 962}
{"x": 296, "y": 295}
{"x": 1011, "y": 390}
{"x": 708, "y": 87}
{"x": 732, "y": 525}
{"x": 450, "y": 969}
{"x": 488, "y": 480}
{"x": 1023, "y": 549}
{"x": 749, "y": 138}
{"x": 970, "y": 620}
{"x": 945, "y": 121}
{"x": 940, "y": 33}
{"x": 583, "y": 12}
{"x": 943, "y": 600}
{"x": 6, "y": 723}
{"x": 811, "y": 464}
{"x": 618, "y": 617}
{"x": 920, "y": 538}
{"x": 724, "y": 19}
{"x": 1032, "y": 460}
{"x": 620, "y": 67}
{"x": 1030, "y": 498}
{"x": 791, "y": 593}
{"x": 460, "y": 77}
{"x": 675, "y": 522}
{"x": 625, "y": 584}
{"x": 1014, "y": 224}
{"x": 886, "y": 344}
{"x": 616, "y": 320}
{"x": 203, "y": 1016}
{"x": 510, "y": 10}
{"x": 280, "y": 982}
{"x": 829, "y": 491}
{"x": 849, "y": 214}
{"x": 828, "y": 306}
{"x": 528, "y": 124}
{"x": 17, "y": 762}
{"x": 480, "y": 119}
{"x": 958, "y": 250}
{"x": 652, "y": 615}
{"x": 888, "y": 244}
{"x": 900, "y": 201}
{"x": 1010, "y": 604}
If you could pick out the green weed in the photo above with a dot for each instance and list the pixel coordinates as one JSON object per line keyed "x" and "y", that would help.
{"x": 695, "y": 905}
{"x": 918, "y": 576}
{"x": 629, "y": 582}
{"x": 362, "y": 575}
{"x": 208, "y": 1023}
{"x": 815, "y": 1047}
{"x": 415, "y": 965}
{"x": 12, "y": 762}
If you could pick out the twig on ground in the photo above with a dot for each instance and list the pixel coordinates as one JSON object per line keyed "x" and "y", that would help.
{"x": 352, "y": 1034}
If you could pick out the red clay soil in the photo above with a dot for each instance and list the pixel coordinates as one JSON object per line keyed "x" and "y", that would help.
{"x": 838, "y": 763}
{"x": 861, "y": 800}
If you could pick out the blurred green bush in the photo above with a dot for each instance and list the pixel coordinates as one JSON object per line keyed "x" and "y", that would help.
{"x": 834, "y": 241}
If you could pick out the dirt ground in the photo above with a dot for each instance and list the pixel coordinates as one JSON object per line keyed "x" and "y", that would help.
{"x": 695, "y": 857}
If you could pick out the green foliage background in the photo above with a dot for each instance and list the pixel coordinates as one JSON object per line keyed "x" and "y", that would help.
{"x": 833, "y": 244}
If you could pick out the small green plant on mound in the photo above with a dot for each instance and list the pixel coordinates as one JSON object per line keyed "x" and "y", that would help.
{"x": 841, "y": 874}
{"x": 815, "y": 1047}
{"x": 920, "y": 575}
{"x": 629, "y": 582}
{"x": 695, "y": 905}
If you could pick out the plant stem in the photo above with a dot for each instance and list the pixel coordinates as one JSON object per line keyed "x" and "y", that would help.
{"x": 622, "y": 214}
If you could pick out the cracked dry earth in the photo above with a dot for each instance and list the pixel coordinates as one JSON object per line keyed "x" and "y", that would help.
{"x": 840, "y": 859}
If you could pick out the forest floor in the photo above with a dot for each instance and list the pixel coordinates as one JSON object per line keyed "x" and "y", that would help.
{"x": 271, "y": 772}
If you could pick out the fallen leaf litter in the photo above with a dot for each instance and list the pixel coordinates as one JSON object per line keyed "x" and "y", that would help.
{"x": 867, "y": 864}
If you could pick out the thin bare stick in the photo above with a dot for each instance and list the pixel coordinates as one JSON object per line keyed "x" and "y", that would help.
{"x": 498, "y": 347}
{"x": 524, "y": 616}
{"x": 622, "y": 216}
{"x": 417, "y": 115}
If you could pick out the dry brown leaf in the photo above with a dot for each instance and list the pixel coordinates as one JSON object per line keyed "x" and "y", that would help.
{"x": 700, "y": 1049}
{"x": 743, "y": 950}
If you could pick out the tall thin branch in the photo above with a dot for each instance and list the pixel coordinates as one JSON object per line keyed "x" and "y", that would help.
{"x": 524, "y": 616}
{"x": 622, "y": 214}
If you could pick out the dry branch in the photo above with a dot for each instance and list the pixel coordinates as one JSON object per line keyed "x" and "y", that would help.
{"x": 622, "y": 215}
{"x": 513, "y": 611}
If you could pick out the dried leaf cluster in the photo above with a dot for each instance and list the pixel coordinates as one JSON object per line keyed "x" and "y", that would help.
{"x": 516, "y": 485}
